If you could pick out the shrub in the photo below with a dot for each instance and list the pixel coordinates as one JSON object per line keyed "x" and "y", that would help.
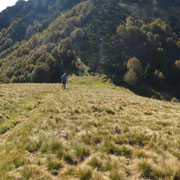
{"x": 174, "y": 100}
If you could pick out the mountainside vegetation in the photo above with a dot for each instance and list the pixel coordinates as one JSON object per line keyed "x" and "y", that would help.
{"x": 20, "y": 22}
{"x": 98, "y": 128}
{"x": 109, "y": 37}
{"x": 91, "y": 130}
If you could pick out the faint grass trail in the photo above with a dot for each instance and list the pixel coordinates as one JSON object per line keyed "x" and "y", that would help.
{"x": 24, "y": 118}
{"x": 30, "y": 117}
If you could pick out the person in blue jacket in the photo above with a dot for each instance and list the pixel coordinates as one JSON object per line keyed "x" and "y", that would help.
{"x": 64, "y": 80}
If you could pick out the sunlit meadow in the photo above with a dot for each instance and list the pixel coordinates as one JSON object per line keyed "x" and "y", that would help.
{"x": 91, "y": 130}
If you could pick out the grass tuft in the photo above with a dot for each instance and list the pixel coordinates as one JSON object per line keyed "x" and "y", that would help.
{"x": 82, "y": 151}
{"x": 85, "y": 172}
{"x": 54, "y": 165}
{"x": 69, "y": 158}
{"x": 117, "y": 175}
{"x": 117, "y": 150}
{"x": 96, "y": 163}
{"x": 145, "y": 168}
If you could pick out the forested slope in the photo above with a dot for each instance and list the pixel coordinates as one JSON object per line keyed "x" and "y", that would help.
{"x": 129, "y": 41}
{"x": 21, "y": 21}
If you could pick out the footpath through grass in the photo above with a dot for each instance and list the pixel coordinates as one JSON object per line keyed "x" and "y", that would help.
{"x": 91, "y": 130}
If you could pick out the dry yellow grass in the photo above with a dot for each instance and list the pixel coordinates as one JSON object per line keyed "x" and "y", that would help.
{"x": 92, "y": 130}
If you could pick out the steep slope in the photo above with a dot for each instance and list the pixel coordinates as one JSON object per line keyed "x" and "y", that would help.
{"x": 92, "y": 130}
{"x": 21, "y": 21}
{"x": 103, "y": 35}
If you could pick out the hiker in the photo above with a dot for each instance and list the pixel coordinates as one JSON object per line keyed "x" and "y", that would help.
{"x": 64, "y": 80}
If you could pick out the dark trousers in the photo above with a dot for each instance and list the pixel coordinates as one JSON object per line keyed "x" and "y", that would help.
{"x": 64, "y": 84}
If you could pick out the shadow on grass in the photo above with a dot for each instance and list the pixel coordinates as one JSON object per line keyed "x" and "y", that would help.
{"x": 166, "y": 93}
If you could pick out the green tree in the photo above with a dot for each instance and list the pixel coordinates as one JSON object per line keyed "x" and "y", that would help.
{"x": 135, "y": 65}
{"x": 41, "y": 73}
{"x": 134, "y": 73}
{"x": 131, "y": 78}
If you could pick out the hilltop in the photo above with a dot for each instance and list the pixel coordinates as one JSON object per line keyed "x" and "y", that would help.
{"x": 92, "y": 130}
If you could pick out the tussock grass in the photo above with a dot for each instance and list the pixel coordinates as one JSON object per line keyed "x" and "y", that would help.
{"x": 81, "y": 151}
{"x": 33, "y": 172}
{"x": 96, "y": 163}
{"x": 85, "y": 172}
{"x": 91, "y": 130}
{"x": 54, "y": 165}
{"x": 117, "y": 175}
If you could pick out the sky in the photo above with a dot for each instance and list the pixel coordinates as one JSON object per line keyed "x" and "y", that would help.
{"x": 5, "y": 3}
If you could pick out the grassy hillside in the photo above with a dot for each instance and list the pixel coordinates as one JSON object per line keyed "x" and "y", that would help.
{"x": 91, "y": 130}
